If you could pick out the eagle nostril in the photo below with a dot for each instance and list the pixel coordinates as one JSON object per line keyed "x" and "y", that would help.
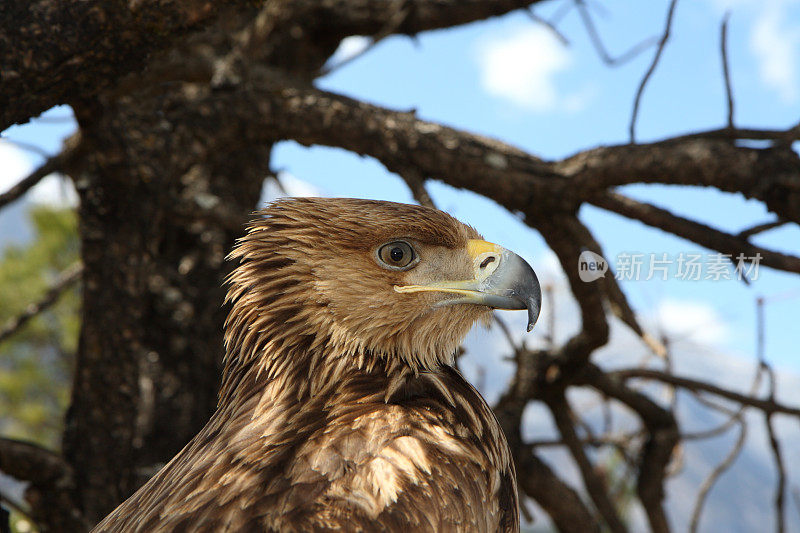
{"x": 487, "y": 261}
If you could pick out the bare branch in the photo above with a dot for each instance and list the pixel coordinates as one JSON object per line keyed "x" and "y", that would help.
{"x": 53, "y": 164}
{"x": 595, "y": 486}
{"x": 727, "y": 462}
{"x": 535, "y": 478}
{"x": 64, "y": 282}
{"x": 416, "y": 183}
{"x": 780, "y": 489}
{"x": 710, "y": 433}
{"x": 753, "y": 134}
{"x": 760, "y": 174}
{"x": 391, "y": 26}
{"x": 566, "y": 235}
{"x": 791, "y": 135}
{"x": 712, "y": 478}
{"x": 619, "y": 305}
{"x": 369, "y": 18}
{"x": 50, "y": 493}
{"x": 28, "y": 147}
{"x": 657, "y": 451}
{"x": 513, "y": 178}
{"x": 549, "y": 25}
{"x": 701, "y": 234}
{"x": 768, "y": 406}
{"x": 725, "y": 70}
{"x": 568, "y": 511}
{"x": 661, "y": 44}
{"x": 620, "y": 442}
{"x": 760, "y": 228}
{"x": 600, "y": 48}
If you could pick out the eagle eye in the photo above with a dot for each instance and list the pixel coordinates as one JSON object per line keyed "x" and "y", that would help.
{"x": 397, "y": 255}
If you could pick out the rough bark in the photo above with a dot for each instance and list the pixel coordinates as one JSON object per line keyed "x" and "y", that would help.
{"x": 162, "y": 202}
{"x": 151, "y": 344}
{"x": 56, "y": 52}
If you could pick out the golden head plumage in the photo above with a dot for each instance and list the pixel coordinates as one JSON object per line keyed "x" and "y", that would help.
{"x": 338, "y": 403}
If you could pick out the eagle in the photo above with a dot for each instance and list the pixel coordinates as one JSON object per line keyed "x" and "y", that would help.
{"x": 340, "y": 407}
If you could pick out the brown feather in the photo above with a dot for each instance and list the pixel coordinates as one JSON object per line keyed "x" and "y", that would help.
{"x": 339, "y": 407}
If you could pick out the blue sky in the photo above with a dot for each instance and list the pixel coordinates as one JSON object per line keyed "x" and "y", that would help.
{"x": 511, "y": 79}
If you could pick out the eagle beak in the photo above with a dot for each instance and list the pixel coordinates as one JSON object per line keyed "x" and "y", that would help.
{"x": 503, "y": 280}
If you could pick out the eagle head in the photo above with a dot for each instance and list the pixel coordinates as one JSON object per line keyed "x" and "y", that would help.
{"x": 354, "y": 277}
{"x": 339, "y": 408}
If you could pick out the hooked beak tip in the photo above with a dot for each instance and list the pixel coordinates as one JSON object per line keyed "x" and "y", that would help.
{"x": 534, "y": 308}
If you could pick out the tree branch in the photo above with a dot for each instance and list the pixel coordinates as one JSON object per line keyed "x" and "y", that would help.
{"x": 597, "y": 41}
{"x": 416, "y": 184}
{"x": 595, "y": 486}
{"x": 51, "y": 489}
{"x": 640, "y": 91}
{"x": 712, "y": 478}
{"x": 64, "y": 282}
{"x": 56, "y": 163}
{"x": 780, "y": 482}
{"x": 767, "y": 406}
{"x": 726, "y": 75}
{"x": 56, "y": 51}
{"x": 68, "y": 51}
{"x": 697, "y": 232}
{"x": 365, "y": 17}
{"x": 565, "y": 507}
{"x": 760, "y": 228}
{"x": 657, "y": 451}
{"x": 515, "y": 179}
{"x": 566, "y": 236}
{"x": 727, "y": 462}
{"x": 765, "y": 174}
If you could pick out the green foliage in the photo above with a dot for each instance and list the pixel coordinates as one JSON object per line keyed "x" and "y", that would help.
{"x": 36, "y": 362}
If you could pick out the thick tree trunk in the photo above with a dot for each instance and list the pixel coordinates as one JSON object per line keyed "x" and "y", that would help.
{"x": 161, "y": 204}
{"x": 165, "y": 190}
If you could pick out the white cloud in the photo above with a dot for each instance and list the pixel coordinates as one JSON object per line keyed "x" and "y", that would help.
{"x": 776, "y": 44}
{"x": 290, "y": 185}
{"x": 522, "y": 67}
{"x": 15, "y": 165}
{"x": 348, "y": 48}
{"x": 294, "y": 186}
{"x": 693, "y": 321}
{"x": 52, "y": 190}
